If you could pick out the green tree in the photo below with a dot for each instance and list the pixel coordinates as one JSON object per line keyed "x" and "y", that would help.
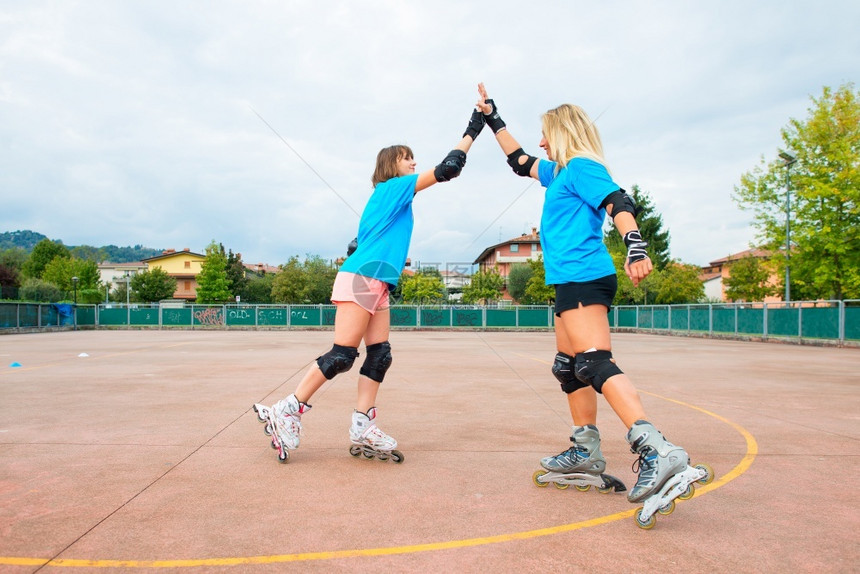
{"x": 518, "y": 279}
{"x": 485, "y": 287}
{"x": 153, "y": 285}
{"x": 824, "y": 198}
{"x": 89, "y": 253}
{"x": 259, "y": 289}
{"x": 37, "y": 290}
{"x": 676, "y": 283}
{"x": 237, "y": 275}
{"x": 43, "y": 253}
{"x": 423, "y": 288}
{"x": 212, "y": 283}
{"x": 61, "y": 269}
{"x": 14, "y": 257}
{"x": 650, "y": 226}
{"x": 309, "y": 281}
{"x": 750, "y": 280}
{"x": 537, "y": 291}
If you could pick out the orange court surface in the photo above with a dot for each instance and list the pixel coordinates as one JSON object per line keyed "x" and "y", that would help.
{"x": 139, "y": 451}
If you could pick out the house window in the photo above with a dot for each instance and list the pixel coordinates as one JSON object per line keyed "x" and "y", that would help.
{"x": 515, "y": 247}
{"x": 534, "y": 247}
{"x": 188, "y": 265}
{"x": 188, "y": 285}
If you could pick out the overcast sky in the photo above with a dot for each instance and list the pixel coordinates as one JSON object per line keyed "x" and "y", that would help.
{"x": 136, "y": 122}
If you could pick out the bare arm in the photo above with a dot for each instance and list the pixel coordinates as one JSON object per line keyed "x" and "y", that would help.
{"x": 504, "y": 138}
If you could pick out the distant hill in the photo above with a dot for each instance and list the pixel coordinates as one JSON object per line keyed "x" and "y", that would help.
{"x": 28, "y": 239}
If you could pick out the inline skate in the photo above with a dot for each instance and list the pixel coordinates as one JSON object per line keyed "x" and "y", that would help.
{"x": 283, "y": 422}
{"x": 368, "y": 440}
{"x": 664, "y": 474}
{"x": 581, "y": 465}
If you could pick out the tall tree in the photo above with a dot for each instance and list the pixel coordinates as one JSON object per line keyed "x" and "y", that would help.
{"x": 309, "y": 281}
{"x": 650, "y": 226}
{"x": 212, "y": 283}
{"x": 518, "y": 280}
{"x": 154, "y": 285}
{"x": 537, "y": 291}
{"x": 237, "y": 276}
{"x": 485, "y": 286}
{"x": 42, "y": 254}
{"x": 750, "y": 280}
{"x": 423, "y": 288}
{"x": 824, "y": 188}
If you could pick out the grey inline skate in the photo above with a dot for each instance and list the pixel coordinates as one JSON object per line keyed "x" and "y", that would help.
{"x": 581, "y": 465}
{"x": 283, "y": 423}
{"x": 664, "y": 473}
{"x": 369, "y": 440}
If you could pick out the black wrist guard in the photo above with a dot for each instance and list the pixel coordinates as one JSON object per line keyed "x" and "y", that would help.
{"x": 476, "y": 124}
{"x": 636, "y": 246}
{"x": 451, "y": 166}
{"x": 494, "y": 120}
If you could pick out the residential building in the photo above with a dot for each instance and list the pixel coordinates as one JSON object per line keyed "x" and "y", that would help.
{"x": 113, "y": 274}
{"x": 184, "y": 266}
{"x": 504, "y": 255}
{"x": 714, "y": 274}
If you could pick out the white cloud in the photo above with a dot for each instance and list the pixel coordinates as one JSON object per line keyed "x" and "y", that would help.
{"x": 133, "y": 123}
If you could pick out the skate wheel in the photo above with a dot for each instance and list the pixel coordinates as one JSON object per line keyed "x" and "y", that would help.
{"x": 355, "y": 450}
{"x": 536, "y": 478}
{"x": 274, "y": 444}
{"x": 708, "y": 479}
{"x": 644, "y": 524}
{"x": 268, "y": 429}
{"x": 382, "y": 456}
{"x": 561, "y": 486}
{"x": 582, "y": 487}
{"x": 397, "y": 456}
{"x": 668, "y": 509}
{"x": 605, "y": 490}
{"x": 368, "y": 453}
{"x": 284, "y": 456}
{"x": 688, "y": 494}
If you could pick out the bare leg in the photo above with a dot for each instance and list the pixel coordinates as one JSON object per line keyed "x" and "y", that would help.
{"x": 350, "y": 323}
{"x": 377, "y": 332}
{"x": 588, "y": 327}
{"x": 583, "y": 402}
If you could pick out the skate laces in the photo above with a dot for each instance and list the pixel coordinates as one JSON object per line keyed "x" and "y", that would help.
{"x": 646, "y": 464}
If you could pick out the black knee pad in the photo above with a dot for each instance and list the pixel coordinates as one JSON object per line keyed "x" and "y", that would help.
{"x": 377, "y": 361}
{"x": 562, "y": 369}
{"x": 338, "y": 360}
{"x": 595, "y": 368}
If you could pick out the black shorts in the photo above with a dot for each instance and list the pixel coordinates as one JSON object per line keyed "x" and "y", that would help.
{"x": 597, "y": 292}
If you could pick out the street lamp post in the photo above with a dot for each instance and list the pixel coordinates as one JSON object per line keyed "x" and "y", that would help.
{"x": 788, "y": 160}
{"x": 127, "y": 300}
{"x": 75, "y": 284}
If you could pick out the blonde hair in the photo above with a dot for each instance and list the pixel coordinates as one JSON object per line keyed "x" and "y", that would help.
{"x": 570, "y": 133}
{"x": 386, "y": 162}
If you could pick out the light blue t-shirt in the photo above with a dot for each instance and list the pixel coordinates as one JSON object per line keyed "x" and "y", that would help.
{"x": 571, "y": 228}
{"x": 385, "y": 231}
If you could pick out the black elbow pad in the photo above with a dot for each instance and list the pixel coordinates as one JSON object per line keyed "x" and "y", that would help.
{"x": 621, "y": 203}
{"x": 524, "y": 169}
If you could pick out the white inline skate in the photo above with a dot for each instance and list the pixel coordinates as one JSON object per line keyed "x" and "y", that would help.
{"x": 664, "y": 474}
{"x": 368, "y": 440}
{"x": 283, "y": 423}
{"x": 581, "y": 465}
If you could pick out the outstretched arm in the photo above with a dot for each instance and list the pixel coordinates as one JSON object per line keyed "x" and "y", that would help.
{"x": 453, "y": 163}
{"x": 520, "y": 162}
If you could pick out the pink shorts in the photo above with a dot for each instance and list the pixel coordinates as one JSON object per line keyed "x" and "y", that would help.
{"x": 371, "y": 294}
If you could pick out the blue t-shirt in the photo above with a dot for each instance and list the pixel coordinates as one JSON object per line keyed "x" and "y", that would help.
{"x": 385, "y": 231}
{"x": 571, "y": 227}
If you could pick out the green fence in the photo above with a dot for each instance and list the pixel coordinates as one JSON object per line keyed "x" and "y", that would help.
{"x": 802, "y": 321}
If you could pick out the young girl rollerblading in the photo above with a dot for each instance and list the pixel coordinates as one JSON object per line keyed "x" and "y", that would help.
{"x": 360, "y": 292}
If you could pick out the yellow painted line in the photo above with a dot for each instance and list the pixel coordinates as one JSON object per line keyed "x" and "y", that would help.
{"x": 739, "y": 469}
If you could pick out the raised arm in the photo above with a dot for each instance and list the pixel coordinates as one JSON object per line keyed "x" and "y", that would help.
{"x": 522, "y": 163}
{"x": 454, "y": 162}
